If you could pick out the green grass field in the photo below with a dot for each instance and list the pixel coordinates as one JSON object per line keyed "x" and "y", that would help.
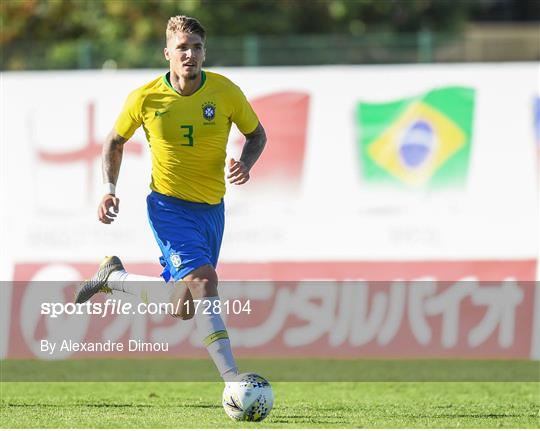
{"x": 297, "y": 405}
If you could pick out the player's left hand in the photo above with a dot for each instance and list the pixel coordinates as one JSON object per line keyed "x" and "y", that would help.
{"x": 238, "y": 172}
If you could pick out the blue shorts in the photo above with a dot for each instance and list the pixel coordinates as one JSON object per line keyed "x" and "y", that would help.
{"x": 189, "y": 234}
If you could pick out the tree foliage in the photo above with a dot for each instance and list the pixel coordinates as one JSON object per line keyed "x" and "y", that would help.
{"x": 55, "y": 28}
{"x": 55, "y": 20}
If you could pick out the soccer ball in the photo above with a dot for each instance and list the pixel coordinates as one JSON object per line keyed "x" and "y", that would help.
{"x": 248, "y": 399}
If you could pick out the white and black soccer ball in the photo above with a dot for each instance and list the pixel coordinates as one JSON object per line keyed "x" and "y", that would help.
{"x": 250, "y": 398}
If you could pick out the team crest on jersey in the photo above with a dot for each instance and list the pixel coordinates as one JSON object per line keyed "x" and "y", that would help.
{"x": 209, "y": 111}
{"x": 176, "y": 260}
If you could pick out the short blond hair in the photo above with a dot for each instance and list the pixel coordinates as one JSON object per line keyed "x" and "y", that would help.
{"x": 184, "y": 24}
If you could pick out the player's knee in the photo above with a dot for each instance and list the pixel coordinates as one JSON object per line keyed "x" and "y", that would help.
{"x": 203, "y": 288}
{"x": 202, "y": 282}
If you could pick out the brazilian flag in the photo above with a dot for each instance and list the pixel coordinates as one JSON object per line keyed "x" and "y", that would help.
{"x": 423, "y": 141}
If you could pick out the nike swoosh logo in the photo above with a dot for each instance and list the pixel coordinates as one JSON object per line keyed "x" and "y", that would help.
{"x": 159, "y": 114}
{"x": 233, "y": 406}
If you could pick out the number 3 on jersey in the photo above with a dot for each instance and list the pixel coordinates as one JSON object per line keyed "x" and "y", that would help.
{"x": 188, "y": 135}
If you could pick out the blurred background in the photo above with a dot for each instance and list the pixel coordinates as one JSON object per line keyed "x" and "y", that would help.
{"x": 71, "y": 34}
{"x": 403, "y": 149}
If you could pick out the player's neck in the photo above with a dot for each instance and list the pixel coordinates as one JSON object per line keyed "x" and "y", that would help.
{"x": 186, "y": 87}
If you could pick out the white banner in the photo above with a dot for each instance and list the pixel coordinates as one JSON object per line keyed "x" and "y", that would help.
{"x": 307, "y": 200}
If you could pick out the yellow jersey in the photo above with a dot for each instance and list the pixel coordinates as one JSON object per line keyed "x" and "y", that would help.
{"x": 188, "y": 134}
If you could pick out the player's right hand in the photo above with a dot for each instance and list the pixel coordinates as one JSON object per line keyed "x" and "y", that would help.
{"x": 108, "y": 209}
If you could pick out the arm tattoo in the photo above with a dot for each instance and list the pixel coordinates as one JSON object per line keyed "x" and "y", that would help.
{"x": 112, "y": 157}
{"x": 254, "y": 146}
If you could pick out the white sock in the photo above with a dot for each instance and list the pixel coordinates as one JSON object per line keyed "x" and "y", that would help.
{"x": 145, "y": 288}
{"x": 216, "y": 340}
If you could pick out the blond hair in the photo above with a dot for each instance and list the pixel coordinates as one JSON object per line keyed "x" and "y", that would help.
{"x": 184, "y": 24}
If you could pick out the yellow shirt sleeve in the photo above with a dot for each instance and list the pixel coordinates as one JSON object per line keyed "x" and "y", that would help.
{"x": 130, "y": 118}
{"x": 243, "y": 114}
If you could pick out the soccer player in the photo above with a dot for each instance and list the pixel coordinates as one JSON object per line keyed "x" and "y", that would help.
{"x": 186, "y": 115}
